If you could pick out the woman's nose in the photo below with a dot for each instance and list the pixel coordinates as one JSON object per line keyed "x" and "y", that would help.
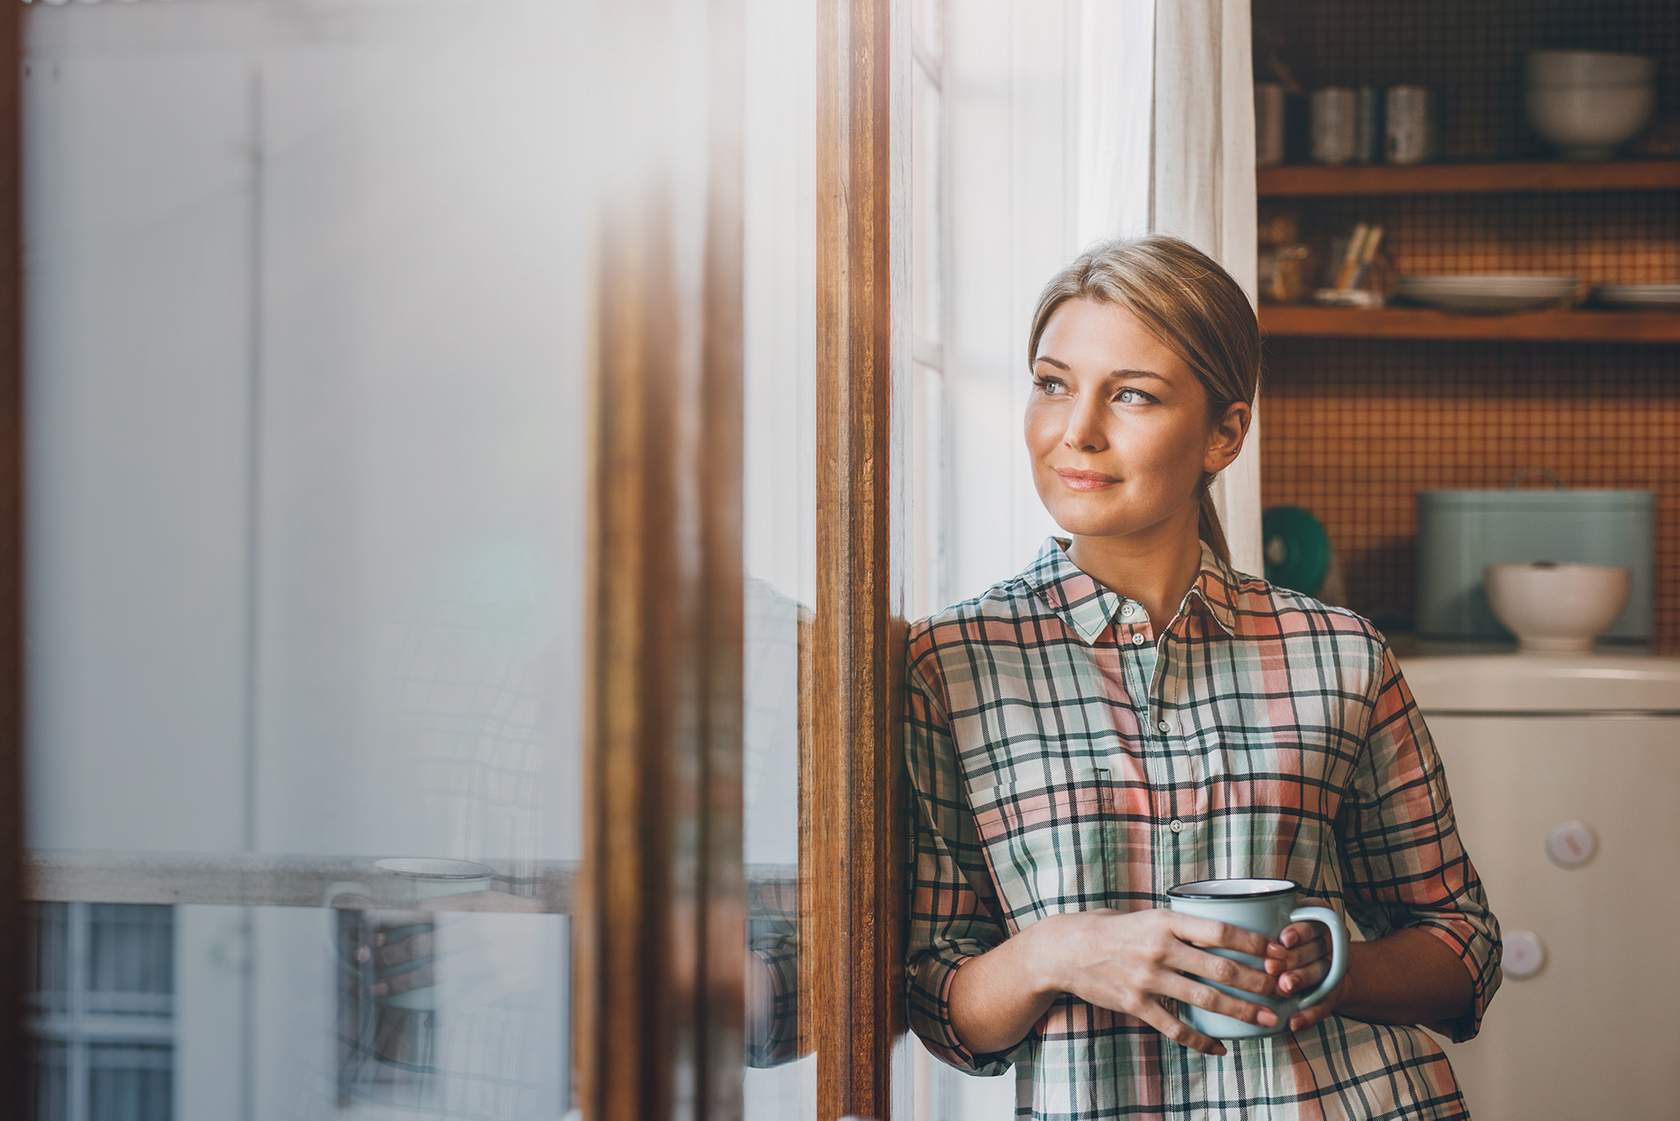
{"x": 1084, "y": 428}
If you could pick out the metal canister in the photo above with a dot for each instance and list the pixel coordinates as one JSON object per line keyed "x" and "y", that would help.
{"x": 1409, "y": 114}
{"x": 1330, "y": 114}
{"x": 1367, "y": 133}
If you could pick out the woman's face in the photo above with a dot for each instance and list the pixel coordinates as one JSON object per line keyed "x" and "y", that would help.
{"x": 1117, "y": 425}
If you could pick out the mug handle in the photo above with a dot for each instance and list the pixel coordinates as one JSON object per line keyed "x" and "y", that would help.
{"x": 1338, "y": 951}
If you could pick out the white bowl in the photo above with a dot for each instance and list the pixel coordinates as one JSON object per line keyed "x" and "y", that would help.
{"x": 1557, "y": 608}
{"x": 1588, "y": 68}
{"x": 1587, "y": 122}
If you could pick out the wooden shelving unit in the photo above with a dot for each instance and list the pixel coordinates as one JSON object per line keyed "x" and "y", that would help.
{"x": 1558, "y": 325}
{"x": 1571, "y": 325}
{"x": 1468, "y": 178}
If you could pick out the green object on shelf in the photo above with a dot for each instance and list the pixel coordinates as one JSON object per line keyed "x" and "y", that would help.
{"x": 1296, "y": 547}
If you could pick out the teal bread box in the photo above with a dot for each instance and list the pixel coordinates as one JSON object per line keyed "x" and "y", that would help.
{"x": 1461, "y": 532}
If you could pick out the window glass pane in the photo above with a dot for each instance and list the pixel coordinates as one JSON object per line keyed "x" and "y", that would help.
{"x": 308, "y": 320}
{"x": 130, "y": 1082}
{"x": 131, "y": 959}
{"x": 927, "y": 20}
{"x": 50, "y": 927}
{"x": 779, "y": 526}
{"x": 927, "y": 510}
{"x": 50, "y": 1083}
{"x": 925, "y": 173}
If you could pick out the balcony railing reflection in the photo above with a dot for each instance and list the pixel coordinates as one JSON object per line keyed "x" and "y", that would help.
{"x": 286, "y": 880}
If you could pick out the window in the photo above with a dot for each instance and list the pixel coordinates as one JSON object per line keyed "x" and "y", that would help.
{"x": 927, "y": 404}
{"x": 102, "y": 1011}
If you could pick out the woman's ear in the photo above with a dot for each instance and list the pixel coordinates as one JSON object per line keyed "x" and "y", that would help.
{"x": 1227, "y": 439}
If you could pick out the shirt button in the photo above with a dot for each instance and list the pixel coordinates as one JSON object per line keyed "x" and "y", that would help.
{"x": 1129, "y": 609}
{"x": 1165, "y": 725}
{"x": 1137, "y": 639}
{"x": 1177, "y": 826}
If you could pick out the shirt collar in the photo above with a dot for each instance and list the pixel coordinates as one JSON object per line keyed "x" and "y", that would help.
{"x": 1087, "y": 606}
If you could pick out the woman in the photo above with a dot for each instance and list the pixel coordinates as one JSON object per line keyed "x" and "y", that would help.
{"x": 1130, "y": 713}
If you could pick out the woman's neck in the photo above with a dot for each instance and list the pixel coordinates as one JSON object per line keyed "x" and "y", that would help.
{"x": 1156, "y": 571}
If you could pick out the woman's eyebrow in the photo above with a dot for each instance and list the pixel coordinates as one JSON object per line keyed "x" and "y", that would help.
{"x": 1123, "y": 372}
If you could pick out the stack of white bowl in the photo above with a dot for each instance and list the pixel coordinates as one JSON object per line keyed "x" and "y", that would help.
{"x": 1588, "y": 102}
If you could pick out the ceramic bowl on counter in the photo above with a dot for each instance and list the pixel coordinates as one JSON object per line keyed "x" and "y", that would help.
{"x": 1557, "y": 608}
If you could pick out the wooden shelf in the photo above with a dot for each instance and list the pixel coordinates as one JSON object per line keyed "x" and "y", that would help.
{"x": 1308, "y": 321}
{"x": 1468, "y": 178}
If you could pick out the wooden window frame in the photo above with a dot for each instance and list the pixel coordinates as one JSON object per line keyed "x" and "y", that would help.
{"x": 654, "y": 1028}
{"x": 854, "y": 781}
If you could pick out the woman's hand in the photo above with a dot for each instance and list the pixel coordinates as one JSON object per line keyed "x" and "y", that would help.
{"x": 1128, "y": 961}
{"x": 1301, "y": 965}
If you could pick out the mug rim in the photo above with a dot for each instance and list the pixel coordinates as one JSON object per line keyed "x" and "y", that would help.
{"x": 1187, "y": 890}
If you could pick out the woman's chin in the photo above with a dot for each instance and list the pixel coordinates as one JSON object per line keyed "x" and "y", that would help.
{"x": 1085, "y": 519}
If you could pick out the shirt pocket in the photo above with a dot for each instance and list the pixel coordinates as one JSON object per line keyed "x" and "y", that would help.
{"x": 1046, "y": 837}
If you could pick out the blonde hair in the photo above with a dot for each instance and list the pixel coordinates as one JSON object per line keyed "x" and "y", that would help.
{"x": 1186, "y": 300}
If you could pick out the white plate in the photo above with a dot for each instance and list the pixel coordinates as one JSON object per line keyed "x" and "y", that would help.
{"x": 1487, "y": 293}
{"x": 1638, "y": 295}
{"x": 1484, "y": 303}
{"x": 1491, "y": 284}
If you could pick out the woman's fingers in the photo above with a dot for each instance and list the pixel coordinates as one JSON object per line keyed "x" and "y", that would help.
{"x": 1156, "y": 1015}
{"x": 1306, "y": 945}
{"x": 1186, "y": 990}
{"x": 1212, "y": 967}
{"x": 1303, "y": 980}
{"x": 405, "y": 950}
{"x": 420, "y": 977}
{"x": 1199, "y": 931}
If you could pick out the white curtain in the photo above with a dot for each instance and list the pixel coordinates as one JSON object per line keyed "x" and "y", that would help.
{"x": 1066, "y": 123}
{"x": 1169, "y": 148}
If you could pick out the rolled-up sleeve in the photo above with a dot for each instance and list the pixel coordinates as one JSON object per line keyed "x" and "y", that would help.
{"x": 1401, "y": 849}
{"x": 952, "y": 908}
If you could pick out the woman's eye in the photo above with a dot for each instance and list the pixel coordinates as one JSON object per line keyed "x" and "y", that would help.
{"x": 1140, "y": 394}
{"x": 1050, "y": 387}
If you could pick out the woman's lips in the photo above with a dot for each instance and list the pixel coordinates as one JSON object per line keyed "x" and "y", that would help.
{"x": 1085, "y": 480}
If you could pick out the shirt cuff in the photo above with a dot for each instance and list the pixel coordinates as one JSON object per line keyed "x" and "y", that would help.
{"x": 1480, "y": 956}
{"x": 930, "y": 1010}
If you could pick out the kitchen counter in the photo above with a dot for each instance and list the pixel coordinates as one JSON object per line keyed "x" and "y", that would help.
{"x": 1495, "y": 677}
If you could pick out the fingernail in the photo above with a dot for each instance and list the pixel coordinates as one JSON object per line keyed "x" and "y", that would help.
{"x": 1287, "y": 983}
{"x": 1268, "y": 1018}
{"x": 1289, "y": 939}
{"x": 363, "y": 953}
{"x": 1220, "y": 1050}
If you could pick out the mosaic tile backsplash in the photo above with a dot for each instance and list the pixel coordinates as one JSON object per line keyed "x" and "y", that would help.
{"x": 1353, "y": 429}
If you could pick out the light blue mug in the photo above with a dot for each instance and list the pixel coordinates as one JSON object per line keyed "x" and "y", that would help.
{"x": 1266, "y": 907}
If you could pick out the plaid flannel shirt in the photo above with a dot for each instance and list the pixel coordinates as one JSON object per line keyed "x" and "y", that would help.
{"x": 1067, "y": 755}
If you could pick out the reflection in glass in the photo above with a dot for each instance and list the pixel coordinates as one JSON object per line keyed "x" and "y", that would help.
{"x": 308, "y": 317}
{"x": 779, "y": 524}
